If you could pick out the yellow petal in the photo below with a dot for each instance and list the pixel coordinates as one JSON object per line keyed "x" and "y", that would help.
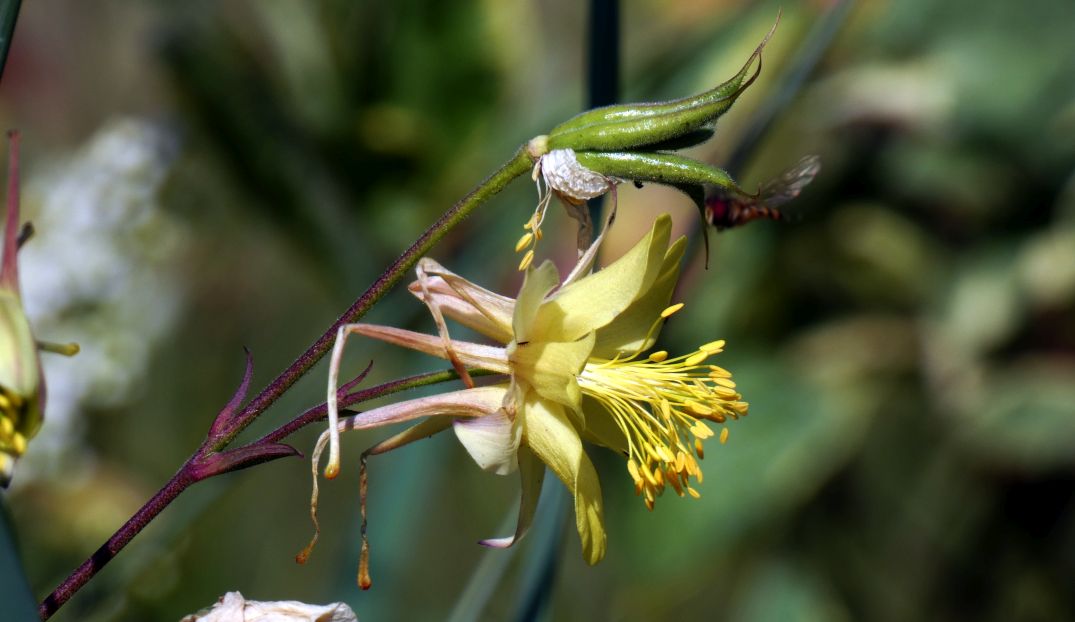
{"x": 531, "y": 476}
{"x": 492, "y": 441}
{"x": 536, "y": 285}
{"x": 549, "y": 433}
{"x": 594, "y": 301}
{"x": 551, "y": 368}
{"x": 629, "y": 331}
{"x": 601, "y": 429}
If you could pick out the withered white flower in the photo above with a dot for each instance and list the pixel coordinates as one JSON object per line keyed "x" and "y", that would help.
{"x": 232, "y": 607}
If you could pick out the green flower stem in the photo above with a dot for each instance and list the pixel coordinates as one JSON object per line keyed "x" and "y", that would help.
{"x": 201, "y": 464}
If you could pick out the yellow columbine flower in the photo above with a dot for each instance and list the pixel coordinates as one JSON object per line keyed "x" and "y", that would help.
{"x": 577, "y": 371}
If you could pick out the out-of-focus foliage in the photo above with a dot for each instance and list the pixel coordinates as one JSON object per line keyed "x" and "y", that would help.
{"x": 907, "y": 342}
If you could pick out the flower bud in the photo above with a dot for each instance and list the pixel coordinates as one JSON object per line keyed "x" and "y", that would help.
{"x": 22, "y": 391}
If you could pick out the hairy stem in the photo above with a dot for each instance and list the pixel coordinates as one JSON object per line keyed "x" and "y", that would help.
{"x": 135, "y": 524}
{"x": 194, "y": 469}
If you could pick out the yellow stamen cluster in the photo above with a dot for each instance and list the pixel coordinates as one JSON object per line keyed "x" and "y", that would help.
{"x": 11, "y": 406}
{"x": 661, "y": 405}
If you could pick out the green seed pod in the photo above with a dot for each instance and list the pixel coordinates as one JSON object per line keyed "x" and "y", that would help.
{"x": 661, "y": 168}
{"x": 630, "y": 126}
{"x": 692, "y": 138}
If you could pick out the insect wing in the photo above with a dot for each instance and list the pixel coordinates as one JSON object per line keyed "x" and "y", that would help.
{"x": 790, "y": 183}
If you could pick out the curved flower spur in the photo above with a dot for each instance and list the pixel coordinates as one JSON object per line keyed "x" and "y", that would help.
{"x": 575, "y": 371}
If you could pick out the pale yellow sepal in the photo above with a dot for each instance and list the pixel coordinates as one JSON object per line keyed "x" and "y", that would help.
{"x": 551, "y": 436}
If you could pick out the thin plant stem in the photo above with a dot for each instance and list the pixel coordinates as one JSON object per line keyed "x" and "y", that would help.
{"x": 210, "y": 459}
{"x": 134, "y": 525}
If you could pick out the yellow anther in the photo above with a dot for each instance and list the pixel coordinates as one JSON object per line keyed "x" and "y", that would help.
{"x": 690, "y": 465}
{"x": 524, "y": 241}
{"x": 528, "y": 259}
{"x": 670, "y": 310}
{"x": 719, "y": 372}
{"x": 694, "y": 493}
{"x": 725, "y": 394}
{"x": 698, "y": 409}
{"x": 18, "y": 443}
{"x": 673, "y": 480}
{"x": 538, "y": 234}
{"x": 664, "y": 405}
{"x": 724, "y": 436}
{"x": 6, "y": 427}
{"x": 649, "y": 477}
{"x": 696, "y": 358}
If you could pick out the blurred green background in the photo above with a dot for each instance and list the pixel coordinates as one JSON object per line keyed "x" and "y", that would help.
{"x": 208, "y": 175}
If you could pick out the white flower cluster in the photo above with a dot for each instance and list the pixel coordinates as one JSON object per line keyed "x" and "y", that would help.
{"x": 97, "y": 272}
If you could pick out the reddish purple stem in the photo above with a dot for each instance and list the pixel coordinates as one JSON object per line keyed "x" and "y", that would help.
{"x": 210, "y": 459}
